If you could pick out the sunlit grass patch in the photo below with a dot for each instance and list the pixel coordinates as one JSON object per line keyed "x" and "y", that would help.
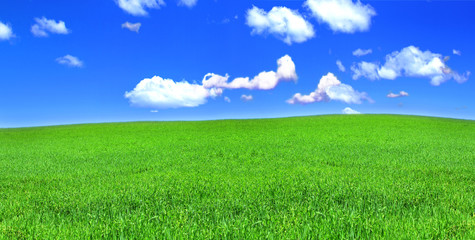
{"x": 365, "y": 176}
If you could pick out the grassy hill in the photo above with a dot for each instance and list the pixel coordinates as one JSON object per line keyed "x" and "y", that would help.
{"x": 341, "y": 176}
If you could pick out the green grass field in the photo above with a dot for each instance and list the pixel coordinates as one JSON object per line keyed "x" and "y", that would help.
{"x": 338, "y": 177}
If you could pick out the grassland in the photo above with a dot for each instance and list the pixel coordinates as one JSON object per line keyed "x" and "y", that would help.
{"x": 337, "y": 177}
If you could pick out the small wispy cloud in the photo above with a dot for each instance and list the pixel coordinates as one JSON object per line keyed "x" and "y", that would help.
{"x": 349, "y": 111}
{"x": 43, "y": 26}
{"x": 226, "y": 99}
{"x": 396, "y": 95}
{"x": 246, "y": 98}
{"x": 456, "y": 52}
{"x": 340, "y": 66}
{"x": 138, "y": 7}
{"x": 6, "y": 31}
{"x": 187, "y": 3}
{"x": 134, "y": 27}
{"x": 361, "y": 52}
{"x": 69, "y": 60}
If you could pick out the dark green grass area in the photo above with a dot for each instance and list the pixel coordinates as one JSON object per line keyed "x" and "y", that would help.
{"x": 338, "y": 177}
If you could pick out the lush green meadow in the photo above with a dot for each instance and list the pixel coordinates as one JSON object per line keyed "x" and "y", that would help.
{"x": 338, "y": 177}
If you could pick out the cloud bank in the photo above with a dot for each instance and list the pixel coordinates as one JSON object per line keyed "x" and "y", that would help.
{"x": 342, "y": 15}
{"x": 330, "y": 88}
{"x": 43, "y": 26}
{"x": 284, "y": 23}
{"x": 6, "y": 31}
{"x": 409, "y": 62}
{"x": 138, "y": 7}
{"x": 159, "y": 93}
{"x": 263, "y": 81}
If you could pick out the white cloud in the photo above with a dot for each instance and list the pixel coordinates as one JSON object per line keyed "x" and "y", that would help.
{"x": 409, "y": 62}
{"x": 43, "y": 26}
{"x": 246, "y": 98}
{"x": 6, "y": 31}
{"x": 162, "y": 93}
{"x": 157, "y": 92}
{"x": 340, "y": 66}
{"x": 70, "y": 61}
{"x": 361, "y": 52}
{"x": 330, "y": 88}
{"x": 215, "y": 92}
{"x": 342, "y": 15}
{"x": 137, "y": 7}
{"x": 396, "y": 95}
{"x": 134, "y": 27}
{"x": 226, "y": 99}
{"x": 456, "y": 52}
{"x": 263, "y": 81}
{"x": 365, "y": 69}
{"x": 349, "y": 111}
{"x": 187, "y": 3}
{"x": 286, "y": 24}
{"x": 154, "y": 111}
{"x": 214, "y": 80}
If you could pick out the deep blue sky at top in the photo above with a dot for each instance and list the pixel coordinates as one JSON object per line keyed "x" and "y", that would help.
{"x": 183, "y": 43}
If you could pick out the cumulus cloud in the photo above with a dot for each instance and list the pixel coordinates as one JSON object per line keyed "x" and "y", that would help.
{"x": 69, "y": 60}
{"x": 246, "y": 98}
{"x": 263, "y": 81}
{"x": 409, "y": 62}
{"x": 134, "y": 27}
{"x": 138, "y": 7}
{"x": 43, "y": 26}
{"x": 160, "y": 93}
{"x": 284, "y": 23}
{"x": 342, "y": 15}
{"x": 6, "y": 31}
{"x": 187, "y": 3}
{"x": 226, "y": 99}
{"x": 361, "y": 52}
{"x": 456, "y": 52}
{"x": 340, "y": 66}
{"x": 396, "y": 95}
{"x": 348, "y": 110}
{"x": 330, "y": 88}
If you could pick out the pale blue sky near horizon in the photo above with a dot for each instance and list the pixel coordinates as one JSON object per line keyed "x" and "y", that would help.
{"x": 89, "y": 69}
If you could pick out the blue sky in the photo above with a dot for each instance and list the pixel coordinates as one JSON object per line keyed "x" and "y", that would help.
{"x": 64, "y": 62}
